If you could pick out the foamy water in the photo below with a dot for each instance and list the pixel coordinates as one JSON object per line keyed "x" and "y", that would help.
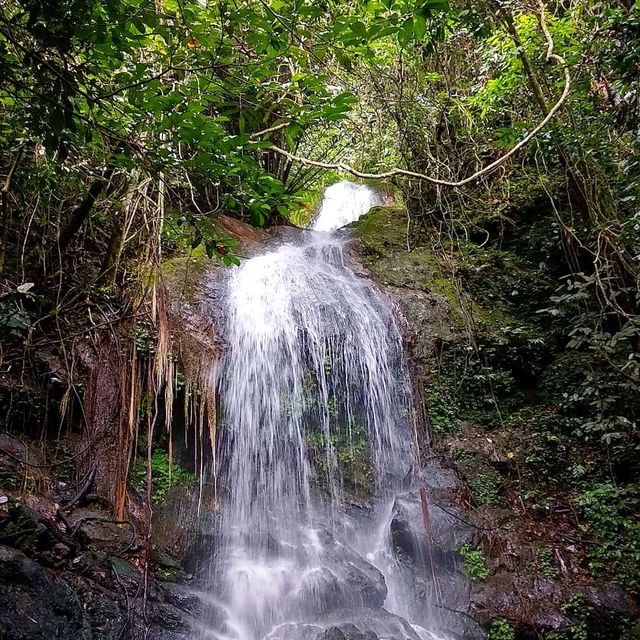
{"x": 313, "y": 355}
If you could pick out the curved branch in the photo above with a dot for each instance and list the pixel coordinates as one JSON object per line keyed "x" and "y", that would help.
{"x": 264, "y": 132}
{"x": 396, "y": 171}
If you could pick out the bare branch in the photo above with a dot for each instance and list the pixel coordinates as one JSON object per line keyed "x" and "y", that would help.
{"x": 396, "y": 171}
{"x": 264, "y": 132}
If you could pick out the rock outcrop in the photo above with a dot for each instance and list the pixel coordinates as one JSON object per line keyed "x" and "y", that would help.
{"x": 512, "y": 584}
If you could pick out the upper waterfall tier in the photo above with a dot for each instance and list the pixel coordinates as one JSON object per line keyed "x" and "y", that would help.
{"x": 343, "y": 203}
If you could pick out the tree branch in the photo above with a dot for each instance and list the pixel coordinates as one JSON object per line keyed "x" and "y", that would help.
{"x": 264, "y": 132}
{"x": 396, "y": 171}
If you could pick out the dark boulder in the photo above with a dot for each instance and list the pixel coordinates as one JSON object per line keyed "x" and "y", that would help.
{"x": 98, "y": 531}
{"x": 182, "y": 597}
{"x": 35, "y": 605}
{"x": 364, "y": 623}
{"x": 346, "y": 631}
{"x": 345, "y": 577}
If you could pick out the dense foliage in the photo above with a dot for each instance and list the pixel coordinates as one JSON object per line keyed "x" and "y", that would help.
{"x": 542, "y": 256}
{"x": 127, "y": 127}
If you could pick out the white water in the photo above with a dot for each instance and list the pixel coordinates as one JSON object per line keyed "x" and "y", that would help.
{"x": 343, "y": 203}
{"x": 313, "y": 374}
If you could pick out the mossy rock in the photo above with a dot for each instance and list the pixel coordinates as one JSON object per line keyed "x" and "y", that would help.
{"x": 382, "y": 233}
{"x": 182, "y": 274}
{"x": 382, "y": 228}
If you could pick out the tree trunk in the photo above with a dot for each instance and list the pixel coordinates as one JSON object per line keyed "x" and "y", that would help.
{"x": 5, "y": 208}
{"x": 577, "y": 186}
{"x": 112, "y": 258}
{"x": 106, "y": 439}
{"x": 82, "y": 211}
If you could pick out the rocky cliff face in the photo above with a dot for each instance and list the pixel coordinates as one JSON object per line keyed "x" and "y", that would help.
{"x": 527, "y": 568}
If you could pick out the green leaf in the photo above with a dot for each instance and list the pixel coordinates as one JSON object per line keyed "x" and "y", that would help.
{"x": 405, "y": 35}
{"x": 428, "y": 8}
{"x": 419, "y": 27}
{"x": 359, "y": 29}
{"x": 343, "y": 59}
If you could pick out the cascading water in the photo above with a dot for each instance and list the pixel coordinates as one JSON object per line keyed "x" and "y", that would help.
{"x": 313, "y": 379}
{"x": 343, "y": 203}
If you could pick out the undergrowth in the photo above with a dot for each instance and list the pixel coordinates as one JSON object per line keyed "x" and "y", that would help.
{"x": 474, "y": 563}
{"x": 163, "y": 476}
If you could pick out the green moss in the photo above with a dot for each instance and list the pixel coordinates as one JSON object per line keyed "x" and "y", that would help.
{"x": 487, "y": 290}
{"x": 352, "y": 455}
{"x": 382, "y": 228}
{"x": 182, "y": 274}
{"x": 163, "y": 475}
{"x": 382, "y": 233}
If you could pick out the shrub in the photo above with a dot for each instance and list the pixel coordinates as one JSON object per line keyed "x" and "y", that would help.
{"x": 501, "y": 630}
{"x": 485, "y": 487}
{"x": 610, "y": 514}
{"x": 474, "y": 562}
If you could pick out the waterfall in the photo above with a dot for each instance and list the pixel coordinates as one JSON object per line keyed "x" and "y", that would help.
{"x": 343, "y": 203}
{"x": 313, "y": 384}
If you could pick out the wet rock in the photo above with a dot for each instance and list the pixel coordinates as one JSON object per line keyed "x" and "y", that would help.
{"x": 448, "y": 528}
{"x": 410, "y": 277}
{"x": 532, "y": 602}
{"x": 610, "y": 597}
{"x": 98, "y": 531}
{"x": 182, "y": 598}
{"x": 175, "y": 522}
{"x": 56, "y": 556}
{"x": 359, "y": 623}
{"x": 35, "y": 605}
{"x": 12, "y": 452}
{"x": 115, "y": 615}
{"x": 439, "y": 480}
{"x": 367, "y": 584}
{"x": 320, "y": 590}
{"x": 198, "y": 557}
{"x": 165, "y": 560}
{"x": 607, "y": 606}
{"x": 367, "y": 624}
{"x": 347, "y": 577}
{"x": 346, "y": 631}
{"x": 432, "y": 314}
{"x": 166, "y": 565}
{"x": 126, "y": 575}
{"x": 200, "y": 552}
{"x": 294, "y": 631}
{"x": 430, "y": 572}
{"x": 165, "y": 622}
{"x": 22, "y": 528}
